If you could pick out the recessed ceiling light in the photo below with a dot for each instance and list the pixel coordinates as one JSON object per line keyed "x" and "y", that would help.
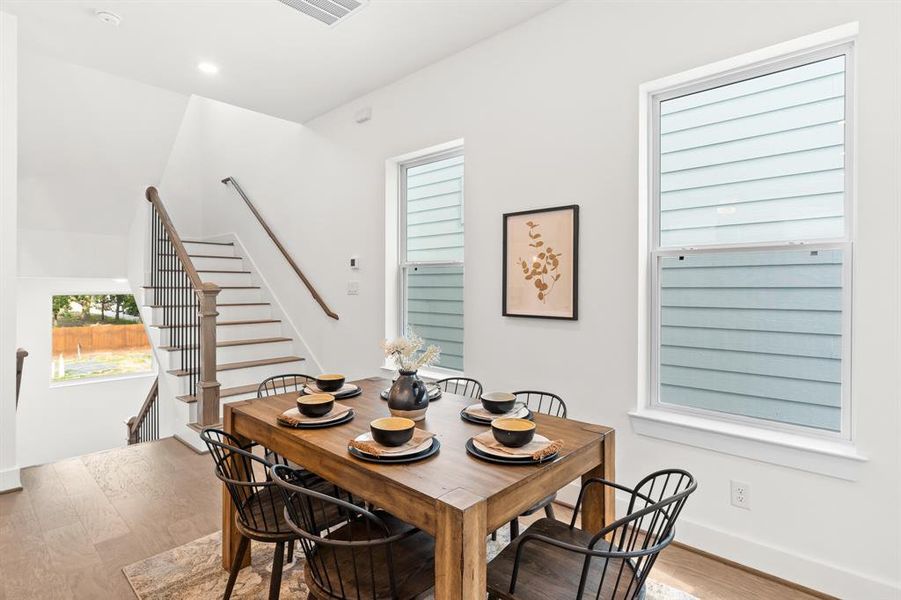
{"x": 208, "y": 68}
{"x": 110, "y": 18}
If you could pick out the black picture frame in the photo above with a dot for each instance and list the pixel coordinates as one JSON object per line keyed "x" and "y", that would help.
{"x": 575, "y": 254}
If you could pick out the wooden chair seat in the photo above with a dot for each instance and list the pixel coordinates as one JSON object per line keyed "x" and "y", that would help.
{"x": 413, "y": 559}
{"x": 546, "y": 501}
{"x": 550, "y": 573}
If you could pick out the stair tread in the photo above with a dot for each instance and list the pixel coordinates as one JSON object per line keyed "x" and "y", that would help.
{"x": 198, "y": 427}
{"x": 208, "y": 243}
{"x": 217, "y": 304}
{"x": 204, "y": 256}
{"x": 246, "y": 364}
{"x": 223, "y": 323}
{"x": 204, "y": 271}
{"x": 231, "y": 343}
{"x": 226, "y": 392}
{"x": 221, "y": 287}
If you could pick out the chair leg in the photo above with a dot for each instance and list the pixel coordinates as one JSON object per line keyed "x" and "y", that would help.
{"x": 514, "y": 529}
{"x": 290, "y": 552}
{"x": 236, "y": 566}
{"x": 278, "y": 563}
{"x": 494, "y": 535}
{"x": 549, "y": 511}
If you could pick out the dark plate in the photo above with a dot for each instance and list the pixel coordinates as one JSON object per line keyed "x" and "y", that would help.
{"x": 434, "y": 394}
{"x": 471, "y": 449}
{"x": 432, "y": 450}
{"x": 339, "y": 396}
{"x": 469, "y": 418}
{"x": 345, "y": 419}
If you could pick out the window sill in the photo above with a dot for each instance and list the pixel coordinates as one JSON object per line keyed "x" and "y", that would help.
{"x": 432, "y": 373}
{"x": 93, "y": 380}
{"x": 834, "y": 458}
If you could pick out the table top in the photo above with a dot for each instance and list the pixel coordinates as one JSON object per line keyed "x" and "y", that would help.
{"x": 324, "y": 451}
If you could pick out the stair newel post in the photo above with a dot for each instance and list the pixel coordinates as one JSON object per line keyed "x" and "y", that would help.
{"x": 208, "y": 394}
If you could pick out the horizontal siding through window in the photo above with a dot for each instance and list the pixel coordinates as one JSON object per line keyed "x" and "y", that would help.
{"x": 435, "y": 310}
{"x": 757, "y": 334}
{"x": 434, "y": 226}
{"x": 760, "y": 160}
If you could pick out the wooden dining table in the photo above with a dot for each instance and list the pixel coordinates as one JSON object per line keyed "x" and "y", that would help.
{"x": 453, "y": 496}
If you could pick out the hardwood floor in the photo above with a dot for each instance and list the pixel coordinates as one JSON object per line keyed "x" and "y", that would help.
{"x": 68, "y": 534}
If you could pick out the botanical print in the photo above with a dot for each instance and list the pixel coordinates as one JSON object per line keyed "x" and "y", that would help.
{"x": 540, "y": 260}
{"x": 544, "y": 264}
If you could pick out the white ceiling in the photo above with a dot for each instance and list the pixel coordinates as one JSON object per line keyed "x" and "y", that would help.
{"x": 272, "y": 58}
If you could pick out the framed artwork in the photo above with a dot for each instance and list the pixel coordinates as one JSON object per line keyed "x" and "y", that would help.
{"x": 541, "y": 263}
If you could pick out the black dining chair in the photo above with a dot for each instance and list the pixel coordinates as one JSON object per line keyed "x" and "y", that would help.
{"x": 371, "y": 555}
{"x": 555, "y": 560}
{"x": 461, "y": 386}
{"x": 258, "y": 503}
{"x": 548, "y": 404}
{"x": 282, "y": 384}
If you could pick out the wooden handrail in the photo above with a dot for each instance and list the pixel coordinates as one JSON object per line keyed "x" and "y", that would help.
{"x": 21, "y": 353}
{"x": 281, "y": 248}
{"x": 153, "y": 197}
{"x": 134, "y": 424}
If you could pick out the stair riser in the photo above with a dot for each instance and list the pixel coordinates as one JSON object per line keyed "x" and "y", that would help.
{"x": 230, "y": 332}
{"x": 203, "y": 263}
{"x": 234, "y": 353}
{"x": 228, "y": 279}
{"x": 226, "y": 296}
{"x": 226, "y": 313}
{"x": 238, "y": 377}
{"x": 214, "y": 249}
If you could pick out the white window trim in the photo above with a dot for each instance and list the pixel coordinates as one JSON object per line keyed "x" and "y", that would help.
{"x": 395, "y": 247}
{"x": 798, "y": 447}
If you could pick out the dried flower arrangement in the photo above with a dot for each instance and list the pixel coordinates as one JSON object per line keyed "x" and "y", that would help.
{"x": 543, "y": 264}
{"x": 403, "y": 352}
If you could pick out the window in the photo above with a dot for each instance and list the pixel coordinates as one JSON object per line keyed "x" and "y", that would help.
{"x": 750, "y": 245}
{"x": 98, "y": 336}
{"x": 431, "y": 252}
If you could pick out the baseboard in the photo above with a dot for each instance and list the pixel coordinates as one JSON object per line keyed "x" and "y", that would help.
{"x": 10, "y": 481}
{"x": 819, "y": 577}
{"x": 189, "y": 439}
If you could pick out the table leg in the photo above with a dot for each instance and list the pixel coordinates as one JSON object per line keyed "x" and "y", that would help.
{"x": 231, "y": 538}
{"x": 599, "y": 502}
{"x": 460, "y": 553}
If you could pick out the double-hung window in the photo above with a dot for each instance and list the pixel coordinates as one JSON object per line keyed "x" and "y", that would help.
{"x": 431, "y": 252}
{"x": 749, "y": 185}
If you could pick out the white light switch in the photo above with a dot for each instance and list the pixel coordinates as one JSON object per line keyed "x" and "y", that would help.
{"x": 353, "y": 288}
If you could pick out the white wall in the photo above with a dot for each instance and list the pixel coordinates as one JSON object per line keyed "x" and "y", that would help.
{"x": 89, "y": 144}
{"x": 63, "y": 420}
{"x": 44, "y": 253}
{"x": 9, "y": 472}
{"x": 549, "y": 114}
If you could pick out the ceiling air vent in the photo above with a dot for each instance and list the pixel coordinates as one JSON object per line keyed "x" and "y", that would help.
{"x": 330, "y": 12}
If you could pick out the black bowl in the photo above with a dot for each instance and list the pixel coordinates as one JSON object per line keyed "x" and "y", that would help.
{"x": 392, "y": 431}
{"x": 513, "y": 433}
{"x": 498, "y": 402}
{"x": 316, "y": 405}
{"x": 330, "y": 382}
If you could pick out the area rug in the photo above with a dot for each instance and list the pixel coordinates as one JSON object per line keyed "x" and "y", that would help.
{"x": 194, "y": 572}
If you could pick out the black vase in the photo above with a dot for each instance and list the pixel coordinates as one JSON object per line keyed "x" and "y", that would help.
{"x": 408, "y": 396}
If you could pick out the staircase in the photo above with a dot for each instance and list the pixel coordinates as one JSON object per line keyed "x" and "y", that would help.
{"x": 251, "y": 344}
{"x": 215, "y": 332}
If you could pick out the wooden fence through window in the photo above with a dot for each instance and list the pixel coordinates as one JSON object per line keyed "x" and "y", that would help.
{"x": 98, "y": 338}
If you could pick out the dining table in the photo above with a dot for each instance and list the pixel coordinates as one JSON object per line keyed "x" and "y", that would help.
{"x": 452, "y": 495}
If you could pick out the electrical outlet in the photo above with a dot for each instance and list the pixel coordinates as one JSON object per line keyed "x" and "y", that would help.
{"x": 353, "y": 288}
{"x": 741, "y": 494}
